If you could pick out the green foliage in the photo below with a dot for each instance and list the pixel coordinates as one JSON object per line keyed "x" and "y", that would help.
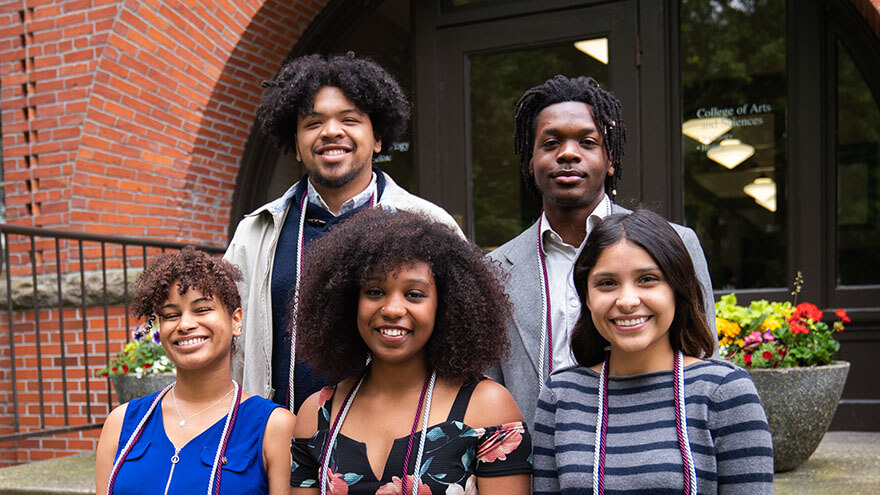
{"x": 142, "y": 355}
{"x": 775, "y": 335}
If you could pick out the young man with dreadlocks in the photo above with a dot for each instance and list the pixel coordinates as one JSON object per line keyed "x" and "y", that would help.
{"x": 569, "y": 136}
{"x": 335, "y": 114}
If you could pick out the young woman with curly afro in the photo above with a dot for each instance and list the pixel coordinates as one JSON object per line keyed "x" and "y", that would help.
{"x": 405, "y": 315}
{"x": 202, "y": 429}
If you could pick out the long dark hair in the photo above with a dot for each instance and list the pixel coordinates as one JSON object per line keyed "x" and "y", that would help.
{"x": 689, "y": 331}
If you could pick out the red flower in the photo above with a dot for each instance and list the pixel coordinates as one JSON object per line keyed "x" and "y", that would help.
{"x": 125, "y": 368}
{"x": 806, "y": 310}
{"x": 798, "y": 327}
{"x": 841, "y": 313}
{"x": 767, "y": 355}
{"x": 147, "y": 366}
{"x": 747, "y": 357}
{"x": 114, "y": 369}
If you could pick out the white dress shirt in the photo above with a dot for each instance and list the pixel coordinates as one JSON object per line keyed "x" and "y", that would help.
{"x": 565, "y": 307}
{"x": 355, "y": 201}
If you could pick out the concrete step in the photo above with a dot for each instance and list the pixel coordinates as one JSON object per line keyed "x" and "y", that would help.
{"x": 846, "y": 462}
{"x": 72, "y": 475}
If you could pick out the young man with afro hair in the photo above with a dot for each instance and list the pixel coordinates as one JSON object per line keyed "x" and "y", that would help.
{"x": 570, "y": 137}
{"x": 334, "y": 113}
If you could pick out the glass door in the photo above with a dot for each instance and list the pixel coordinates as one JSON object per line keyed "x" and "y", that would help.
{"x": 481, "y": 69}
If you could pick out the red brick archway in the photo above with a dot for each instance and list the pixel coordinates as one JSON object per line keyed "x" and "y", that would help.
{"x": 131, "y": 117}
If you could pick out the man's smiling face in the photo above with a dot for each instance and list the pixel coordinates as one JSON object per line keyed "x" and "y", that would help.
{"x": 335, "y": 140}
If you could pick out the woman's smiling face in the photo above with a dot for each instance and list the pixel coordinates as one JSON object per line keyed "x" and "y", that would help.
{"x": 196, "y": 330}
{"x": 396, "y": 313}
{"x": 631, "y": 302}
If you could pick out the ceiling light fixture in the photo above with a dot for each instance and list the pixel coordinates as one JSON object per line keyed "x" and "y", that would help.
{"x": 731, "y": 152}
{"x": 706, "y": 130}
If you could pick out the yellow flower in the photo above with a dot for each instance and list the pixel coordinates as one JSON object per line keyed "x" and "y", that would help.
{"x": 770, "y": 324}
{"x": 727, "y": 328}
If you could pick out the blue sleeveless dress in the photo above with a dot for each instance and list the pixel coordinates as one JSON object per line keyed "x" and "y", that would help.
{"x": 147, "y": 467}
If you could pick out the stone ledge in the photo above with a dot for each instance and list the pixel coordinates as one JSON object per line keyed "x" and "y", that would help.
{"x": 72, "y": 475}
{"x": 22, "y": 289}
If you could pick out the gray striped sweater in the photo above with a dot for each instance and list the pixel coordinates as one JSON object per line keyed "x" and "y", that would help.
{"x": 729, "y": 436}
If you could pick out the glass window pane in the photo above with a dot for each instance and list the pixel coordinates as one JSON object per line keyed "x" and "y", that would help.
{"x": 734, "y": 137}
{"x": 858, "y": 176}
{"x": 502, "y": 205}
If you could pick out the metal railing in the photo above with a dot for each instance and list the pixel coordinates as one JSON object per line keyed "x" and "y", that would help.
{"x": 40, "y": 255}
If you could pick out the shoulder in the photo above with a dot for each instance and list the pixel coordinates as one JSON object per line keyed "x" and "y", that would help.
{"x": 280, "y": 423}
{"x": 398, "y": 197}
{"x": 491, "y": 404}
{"x": 115, "y": 420}
{"x": 724, "y": 378}
{"x": 307, "y": 419}
{"x": 511, "y": 248}
{"x": 576, "y": 377}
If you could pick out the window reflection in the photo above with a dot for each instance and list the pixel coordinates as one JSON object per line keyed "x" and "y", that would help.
{"x": 502, "y": 206}
{"x": 858, "y": 167}
{"x": 734, "y": 137}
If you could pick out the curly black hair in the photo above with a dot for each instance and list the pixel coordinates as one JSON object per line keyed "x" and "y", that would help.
{"x": 370, "y": 87}
{"x": 560, "y": 89}
{"x": 191, "y": 268}
{"x": 688, "y": 331}
{"x": 470, "y": 329}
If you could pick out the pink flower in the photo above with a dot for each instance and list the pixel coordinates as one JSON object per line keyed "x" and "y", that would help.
{"x": 753, "y": 337}
{"x": 502, "y": 442}
{"x": 470, "y": 487}
{"x": 325, "y": 394}
{"x": 336, "y": 484}
{"x": 393, "y": 488}
{"x": 768, "y": 337}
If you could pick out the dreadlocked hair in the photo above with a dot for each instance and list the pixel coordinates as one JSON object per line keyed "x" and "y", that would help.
{"x": 370, "y": 87}
{"x": 560, "y": 89}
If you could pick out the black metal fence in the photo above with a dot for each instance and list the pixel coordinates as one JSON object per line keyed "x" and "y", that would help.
{"x": 49, "y": 326}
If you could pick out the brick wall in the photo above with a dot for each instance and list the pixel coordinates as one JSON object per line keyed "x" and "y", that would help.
{"x": 130, "y": 117}
{"x": 124, "y": 117}
{"x": 64, "y": 404}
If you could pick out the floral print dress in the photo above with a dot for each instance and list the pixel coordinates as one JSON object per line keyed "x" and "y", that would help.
{"x": 454, "y": 454}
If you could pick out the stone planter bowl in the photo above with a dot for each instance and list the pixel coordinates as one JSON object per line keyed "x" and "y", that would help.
{"x": 799, "y": 403}
{"x": 130, "y": 387}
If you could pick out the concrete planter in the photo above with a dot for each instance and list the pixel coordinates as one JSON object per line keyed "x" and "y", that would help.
{"x": 799, "y": 403}
{"x": 130, "y": 387}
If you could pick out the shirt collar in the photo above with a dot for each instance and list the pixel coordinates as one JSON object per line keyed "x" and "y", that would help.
{"x": 355, "y": 201}
{"x": 550, "y": 237}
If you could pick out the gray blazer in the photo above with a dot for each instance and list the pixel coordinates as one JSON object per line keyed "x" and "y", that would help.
{"x": 519, "y": 258}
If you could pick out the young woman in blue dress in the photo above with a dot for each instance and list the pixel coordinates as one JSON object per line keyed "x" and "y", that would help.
{"x": 201, "y": 434}
{"x": 647, "y": 410}
{"x": 425, "y": 307}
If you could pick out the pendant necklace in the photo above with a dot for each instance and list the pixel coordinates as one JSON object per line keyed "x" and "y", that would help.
{"x": 219, "y": 457}
{"x": 684, "y": 446}
{"x": 182, "y": 422}
{"x": 301, "y": 245}
{"x": 547, "y": 323}
{"x": 424, "y": 400}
